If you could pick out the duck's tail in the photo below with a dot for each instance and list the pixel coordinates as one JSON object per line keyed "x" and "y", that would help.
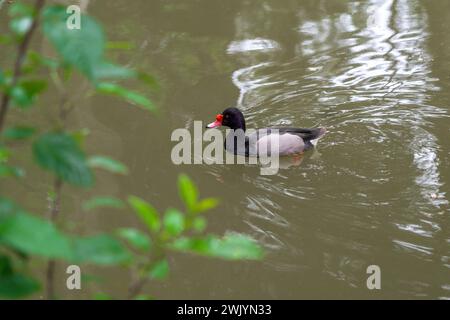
{"x": 317, "y": 134}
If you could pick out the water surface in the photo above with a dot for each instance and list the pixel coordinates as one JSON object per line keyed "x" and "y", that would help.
{"x": 375, "y": 73}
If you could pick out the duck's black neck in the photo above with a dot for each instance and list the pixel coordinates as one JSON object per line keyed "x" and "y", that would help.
{"x": 240, "y": 124}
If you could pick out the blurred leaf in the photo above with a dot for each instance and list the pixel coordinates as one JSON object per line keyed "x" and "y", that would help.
{"x": 188, "y": 192}
{"x": 18, "y": 132}
{"x": 7, "y": 209}
{"x": 199, "y": 224}
{"x": 206, "y": 204}
{"x": 60, "y": 153}
{"x": 2, "y": 77}
{"x": 237, "y": 246}
{"x": 146, "y": 212}
{"x": 24, "y": 94}
{"x": 102, "y": 296}
{"x": 143, "y": 297}
{"x": 4, "y": 154}
{"x": 20, "y": 9}
{"x": 97, "y": 202}
{"x": 35, "y": 60}
{"x": 99, "y": 249}
{"x": 21, "y": 25}
{"x": 16, "y": 286}
{"x": 82, "y": 48}
{"x": 11, "y": 171}
{"x": 173, "y": 222}
{"x": 107, "y": 163}
{"x": 130, "y": 96}
{"x": 5, "y": 266}
{"x": 80, "y": 135}
{"x": 135, "y": 238}
{"x": 159, "y": 270}
{"x": 34, "y": 235}
{"x": 107, "y": 70}
{"x": 149, "y": 80}
{"x": 230, "y": 247}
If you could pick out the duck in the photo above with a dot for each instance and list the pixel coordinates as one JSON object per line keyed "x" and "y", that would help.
{"x": 291, "y": 141}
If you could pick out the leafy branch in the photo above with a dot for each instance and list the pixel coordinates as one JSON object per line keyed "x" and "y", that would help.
{"x": 21, "y": 54}
{"x": 58, "y": 151}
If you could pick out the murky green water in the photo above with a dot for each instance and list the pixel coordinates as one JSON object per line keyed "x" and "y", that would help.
{"x": 375, "y": 73}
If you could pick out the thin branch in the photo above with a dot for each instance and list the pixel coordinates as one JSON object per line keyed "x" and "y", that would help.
{"x": 55, "y": 207}
{"x": 136, "y": 287}
{"x": 140, "y": 278}
{"x": 21, "y": 54}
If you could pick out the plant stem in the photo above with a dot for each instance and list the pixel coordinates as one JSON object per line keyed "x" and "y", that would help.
{"x": 136, "y": 287}
{"x": 54, "y": 212}
{"x": 21, "y": 54}
{"x": 141, "y": 274}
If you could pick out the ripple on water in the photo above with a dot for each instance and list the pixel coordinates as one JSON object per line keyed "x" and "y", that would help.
{"x": 377, "y": 185}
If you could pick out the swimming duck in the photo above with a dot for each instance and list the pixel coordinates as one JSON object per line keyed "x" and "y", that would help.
{"x": 291, "y": 141}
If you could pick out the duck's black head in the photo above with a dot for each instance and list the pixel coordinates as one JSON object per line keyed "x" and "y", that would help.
{"x": 230, "y": 117}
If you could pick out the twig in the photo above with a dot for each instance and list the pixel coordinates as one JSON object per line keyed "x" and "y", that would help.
{"x": 54, "y": 212}
{"x": 21, "y": 54}
{"x": 136, "y": 287}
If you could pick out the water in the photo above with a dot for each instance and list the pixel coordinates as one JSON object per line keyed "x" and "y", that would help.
{"x": 375, "y": 73}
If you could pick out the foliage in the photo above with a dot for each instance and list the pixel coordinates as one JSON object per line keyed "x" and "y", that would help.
{"x": 60, "y": 152}
{"x": 179, "y": 231}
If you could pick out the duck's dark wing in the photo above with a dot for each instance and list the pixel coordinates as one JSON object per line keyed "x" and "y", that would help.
{"x": 306, "y": 134}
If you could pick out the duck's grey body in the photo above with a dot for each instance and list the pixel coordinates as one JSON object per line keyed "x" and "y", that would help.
{"x": 271, "y": 141}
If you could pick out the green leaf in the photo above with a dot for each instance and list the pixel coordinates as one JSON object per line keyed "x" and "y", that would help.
{"x": 230, "y": 247}
{"x": 146, "y": 212}
{"x": 20, "y": 97}
{"x": 199, "y": 224}
{"x": 144, "y": 297}
{"x": 16, "y": 286}
{"x": 11, "y": 171}
{"x": 4, "y": 154}
{"x": 82, "y": 48}
{"x": 18, "y": 133}
{"x": 20, "y": 9}
{"x": 21, "y": 25}
{"x": 159, "y": 270}
{"x": 188, "y": 192}
{"x": 99, "y": 249}
{"x": 135, "y": 238}
{"x": 107, "y": 70}
{"x": 130, "y": 96}
{"x": 60, "y": 153}
{"x": 2, "y": 77}
{"x": 97, "y": 202}
{"x": 34, "y": 235}
{"x": 7, "y": 209}
{"x": 107, "y": 163}
{"x": 149, "y": 80}
{"x": 24, "y": 94}
{"x": 206, "y": 204}
{"x": 34, "y": 59}
{"x": 174, "y": 222}
{"x": 80, "y": 135}
{"x": 5, "y": 266}
{"x": 102, "y": 296}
